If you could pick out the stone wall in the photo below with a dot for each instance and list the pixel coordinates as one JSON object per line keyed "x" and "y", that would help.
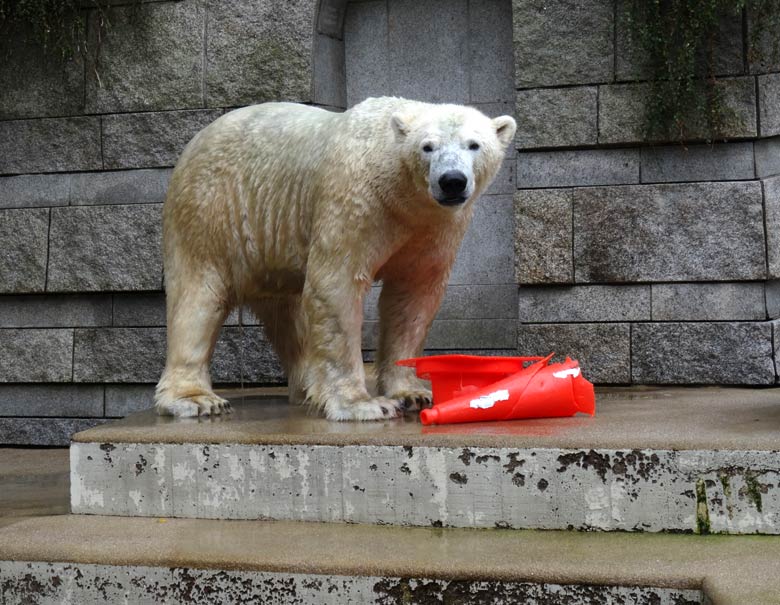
{"x": 652, "y": 264}
{"x": 87, "y": 151}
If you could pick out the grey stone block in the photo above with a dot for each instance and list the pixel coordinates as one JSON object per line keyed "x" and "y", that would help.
{"x": 366, "y": 51}
{"x": 55, "y": 311}
{"x": 51, "y": 400}
{"x": 50, "y": 145}
{"x": 727, "y": 53}
{"x": 259, "y": 364}
{"x": 34, "y": 190}
{"x": 603, "y": 350}
{"x": 137, "y": 355}
{"x": 689, "y": 232}
{"x": 43, "y": 431}
{"x": 772, "y": 295}
{"x": 36, "y": 82}
{"x": 764, "y": 56}
{"x": 566, "y": 304}
{"x": 776, "y": 340}
{"x": 120, "y": 187}
{"x": 256, "y": 51}
{"x": 120, "y": 355}
{"x": 440, "y": 75}
{"x": 485, "y": 255}
{"x": 708, "y": 302}
{"x": 139, "y": 310}
{"x": 563, "y": 43}
{"x": 152, "y": 58}
{"x": 495, "y": 109}
{"x": 330, "y": 78}
{"x": 767, "y": 156}
{"x": 480, "y": 301}
{"x": 543, "y": 237}
{"x": 702, "y": 353}
{"x": 771, "y": 189}
{"x": 726, "y": 162}
{"x": 152, "y": 139}
{"x": 31, "y": 355}
{"x": 560, "y": 117}
{"x": 105, "y": 248}
{"x": 504, "y": 183}
{"x": 245, "y": 355}
{"x": 148, "y": 310}
{"x": 472, "y": 334}
{"x": 542, "y": 169}
{"x": 124, "y": 399}
{"x": 490, "y": 45}
{"x": 330, "y": 18}
{"x": 769, "y": 104}
{"x": 463, "y": 302}
{"x": 24, "y": 234}
{"x": 622, "y": 112}
{"x": 457, "y": 334}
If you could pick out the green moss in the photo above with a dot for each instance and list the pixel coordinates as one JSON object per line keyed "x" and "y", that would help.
{"x": 702, "y": 510}
{"x": 678, "y": 39}
{"x": 725, "y": 481}
{"x": 57, "y": 26}
{"x": 753, "y": 490}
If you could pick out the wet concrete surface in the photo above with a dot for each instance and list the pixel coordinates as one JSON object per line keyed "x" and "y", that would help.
{"x": 33, "y": 482}
{"x": 636, "y": 418}
{"x": 731, "y": 570}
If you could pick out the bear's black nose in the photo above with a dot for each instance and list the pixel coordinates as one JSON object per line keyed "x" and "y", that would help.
{"x": 453, "y": 183}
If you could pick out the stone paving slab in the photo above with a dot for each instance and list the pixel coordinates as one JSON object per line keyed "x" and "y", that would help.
{"x": 674, "y": 418}
{"x": 95, "y": 584}
{"x": 705, "y": 463}
{"x": 158, "y": 553}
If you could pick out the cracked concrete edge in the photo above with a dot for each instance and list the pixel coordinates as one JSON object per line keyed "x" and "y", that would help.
{"x": 50, "y": 583}
{"x": 628, "y": 490}
{"x": 733, "y": 569}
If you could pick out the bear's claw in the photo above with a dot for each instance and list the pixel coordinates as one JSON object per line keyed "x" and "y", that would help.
{"x": 199, "y": 405}
{"x": 378, "y": 408}
{"x": 414, "y": 400}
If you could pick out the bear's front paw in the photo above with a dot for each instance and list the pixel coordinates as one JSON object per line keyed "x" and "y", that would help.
{"x": 198, "y": 405}
{"x": 376, "y": 408}
{"x": 414, "y": 399}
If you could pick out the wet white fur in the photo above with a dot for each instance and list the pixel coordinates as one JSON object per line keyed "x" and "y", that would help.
{"x": 296, "y": 211}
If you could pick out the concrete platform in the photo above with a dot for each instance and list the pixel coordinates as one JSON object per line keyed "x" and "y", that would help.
{"x": 33, "y": 482}
{"x": 100, "y": 559}
{"x": 702, "y": 460}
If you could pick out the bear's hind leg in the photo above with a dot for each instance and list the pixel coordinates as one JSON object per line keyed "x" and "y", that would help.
{"x": 196, "y": 312}
{"x": 282, "y": 324}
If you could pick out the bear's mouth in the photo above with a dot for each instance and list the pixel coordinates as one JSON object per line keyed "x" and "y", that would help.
{"x": 455, "y": 200}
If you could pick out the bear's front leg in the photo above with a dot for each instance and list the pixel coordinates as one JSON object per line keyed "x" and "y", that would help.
{"x": 332, "y": 365}
{"x": 406, "y": 311}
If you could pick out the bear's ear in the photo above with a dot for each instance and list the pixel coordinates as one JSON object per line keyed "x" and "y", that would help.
{"x": 400, "y": 125}
{"x": 505, "y": 129}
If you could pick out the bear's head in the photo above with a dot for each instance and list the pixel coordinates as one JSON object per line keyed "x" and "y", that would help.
{"x": 453, "y": 152}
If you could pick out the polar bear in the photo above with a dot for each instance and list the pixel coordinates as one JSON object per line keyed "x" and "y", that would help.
{"x": 295, "y": 211}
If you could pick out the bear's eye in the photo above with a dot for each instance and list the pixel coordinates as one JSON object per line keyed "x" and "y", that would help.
{"x": 427, "y": 148}
{"x": 474, "y": 146}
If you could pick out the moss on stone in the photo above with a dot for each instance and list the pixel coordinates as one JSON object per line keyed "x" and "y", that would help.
{"x": 702, "y": 511}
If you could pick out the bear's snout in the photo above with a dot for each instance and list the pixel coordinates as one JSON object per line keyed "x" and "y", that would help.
{"x": 453, "y": 183}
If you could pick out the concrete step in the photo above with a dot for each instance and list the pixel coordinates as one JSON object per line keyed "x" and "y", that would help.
{"x": 700, "y": 460}
{"x": 83, "y": 560}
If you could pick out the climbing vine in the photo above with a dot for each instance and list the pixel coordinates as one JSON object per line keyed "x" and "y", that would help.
{"x": 679, "y": 39}
{"x": 56, "y": 26}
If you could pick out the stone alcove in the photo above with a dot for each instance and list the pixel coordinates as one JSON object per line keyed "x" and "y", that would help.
{"x": 431, "y": 50}
{"x": 438, "y": 51}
